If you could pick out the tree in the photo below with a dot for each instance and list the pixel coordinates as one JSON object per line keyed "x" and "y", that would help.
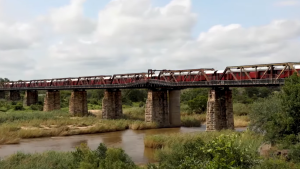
{"x": 198, "y": 104}
{"x": 291, "y": 103}
{"x": 278, "y": 116}
{"x": 191, "y": 94}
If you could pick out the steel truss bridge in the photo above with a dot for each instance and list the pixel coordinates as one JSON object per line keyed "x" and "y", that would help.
{"x": 232, "y": 76}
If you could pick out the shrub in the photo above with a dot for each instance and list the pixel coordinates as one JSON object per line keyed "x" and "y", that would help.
{"x": 224, "y": 151}
{"x": 19, "y": 106}
{"x": 102, "y": 157}
{"x": 294, "y": 154}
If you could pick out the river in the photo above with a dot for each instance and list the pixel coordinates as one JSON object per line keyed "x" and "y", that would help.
{"x": 132, "y": 141}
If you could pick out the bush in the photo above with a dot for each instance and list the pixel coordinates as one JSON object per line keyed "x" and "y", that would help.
{"x": 225, "y": 151}
{"x": 102, "y": 157}
{"x": 294, "y": 154}
{"x": 19, "y": 106}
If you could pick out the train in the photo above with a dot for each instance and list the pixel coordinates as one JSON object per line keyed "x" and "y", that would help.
{"x": 192, "y": 75}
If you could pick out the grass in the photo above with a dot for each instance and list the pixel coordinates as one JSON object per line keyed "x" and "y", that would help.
{"x": 193, "y": 120}
{"x": 16, "y": 125}
{"x": 167, "y": 140}
{"x": 241, "y": 121}
{"x": 44, "y": 160}
{"x": 19, "y": 125}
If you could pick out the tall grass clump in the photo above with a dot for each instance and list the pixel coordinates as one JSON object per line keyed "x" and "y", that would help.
{"x": 241, "y": 121}
{"x": 167, "y": 140}
{"x": 190, "y": 121}
{"x": 141, "y": 125}
{"x": 134, "y": 113}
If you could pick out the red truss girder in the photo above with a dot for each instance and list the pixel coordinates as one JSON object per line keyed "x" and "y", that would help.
{"x": 128, "y": 78}
{"x": 260, "y": 71}
{"x": 234, "y": 73}
{"x": 188, "y": 75}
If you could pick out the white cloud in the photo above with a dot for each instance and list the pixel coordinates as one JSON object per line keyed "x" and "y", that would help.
{"x": 133, "y": 36}
{"x": 287, "y": 3}
{"x": 70, "y": 19}
{"x": 17, "y": 35}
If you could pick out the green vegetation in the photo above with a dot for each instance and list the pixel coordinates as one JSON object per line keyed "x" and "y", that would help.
{"x": 278, "y": 116}
{"x": 81, "y": 158}
{"x": 225, "y": 149}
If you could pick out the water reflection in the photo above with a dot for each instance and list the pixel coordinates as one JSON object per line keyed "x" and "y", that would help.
{"x": 132, "y": 141}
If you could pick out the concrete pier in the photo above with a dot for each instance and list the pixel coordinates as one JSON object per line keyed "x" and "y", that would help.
{"x": 112, "y": 104}
{"x": 2, "y": 94}
{"x": 52, "y": 100}
{"x": 14, "y": 95}
{"x": 31, "y": 97}
{"x": 219, "y": 110}
{"x": 174, "y": 108}
{"x": 78, "y": 103}
{"x": 157, "y": 108}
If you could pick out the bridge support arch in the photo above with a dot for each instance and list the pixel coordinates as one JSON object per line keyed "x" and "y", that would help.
{"x": 2, "y": 94}
{"x": 14, "y": 95}
{"x": 112, "y": 104}
{"x": 52, "y": 100}
{"x": 78, "y": 103}
{"x": 219, "y": 110}
{"x": 31, "y": 97}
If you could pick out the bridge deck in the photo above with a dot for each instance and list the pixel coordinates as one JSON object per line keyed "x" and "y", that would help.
{"x": 151, "y": 83}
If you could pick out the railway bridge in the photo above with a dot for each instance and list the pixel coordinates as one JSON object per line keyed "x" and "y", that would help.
{"x": 164, "y": 86}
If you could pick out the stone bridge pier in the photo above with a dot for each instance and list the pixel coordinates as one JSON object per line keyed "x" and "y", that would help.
{"x": 78, "y": 103}
{"x": 163, "y": 107}
{"x": 219, "y": 110}
{"x": 31, "y": 97}
{"x": 112, "y": 104}
{"x": 2, "y": 94}
{"x": 52, "y": 100}
{"x": 14, "y": 95}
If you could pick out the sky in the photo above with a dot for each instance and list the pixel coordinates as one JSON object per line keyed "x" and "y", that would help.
{"x": 72, "y": 38}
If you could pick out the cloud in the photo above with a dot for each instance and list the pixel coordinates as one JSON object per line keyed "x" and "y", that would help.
{"x": 133, "y": 36}
{"x": 70, "y": 19}
{"x": 17, "y": 36}
{"x": 287, "y": 3}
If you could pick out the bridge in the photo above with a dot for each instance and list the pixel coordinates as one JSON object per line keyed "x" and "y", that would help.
{"x": 163, "y": 101}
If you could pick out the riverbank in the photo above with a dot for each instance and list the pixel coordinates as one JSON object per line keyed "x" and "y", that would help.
{"x": 17, "y": 125}
{"x": 171, "y": 151}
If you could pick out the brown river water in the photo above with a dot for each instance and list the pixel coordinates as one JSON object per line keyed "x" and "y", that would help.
{"x": 132, "y": 141}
